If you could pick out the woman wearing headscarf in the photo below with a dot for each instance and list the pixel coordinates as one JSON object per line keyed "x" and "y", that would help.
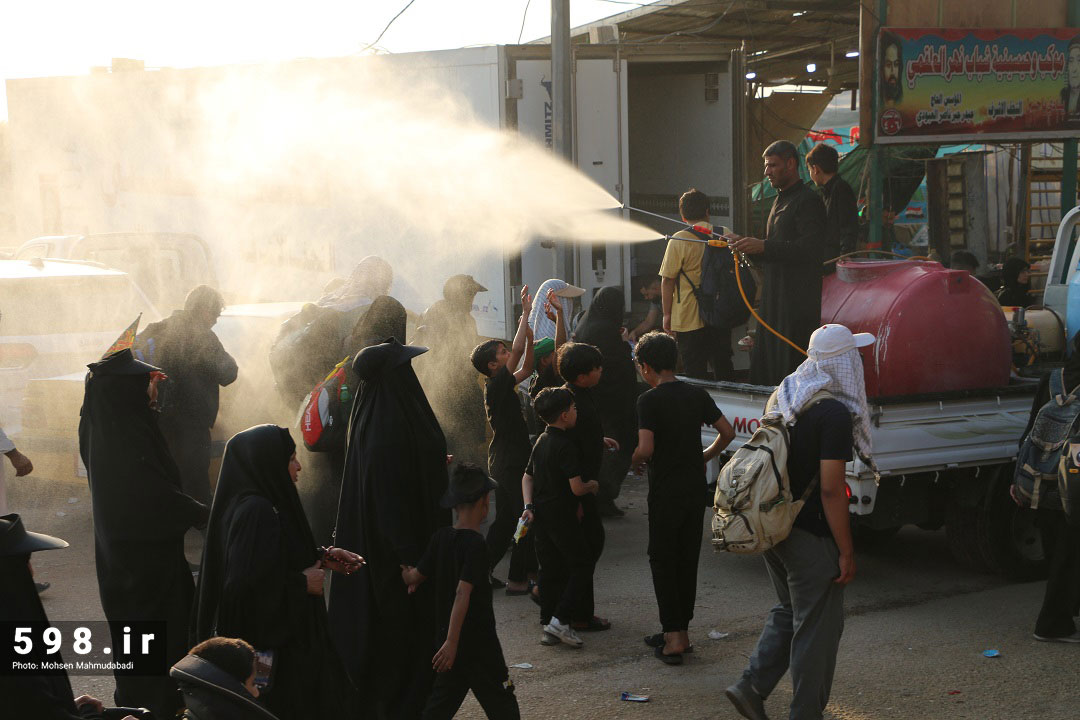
{"x": 616, "y": 394}
{"x": 43, "y": 697}
{"x": 140, "y": 517}
{"x": 541, "y": 322}
{"x": 1015, "y": 282}
{"x": 262, "y": 576}
{"x": 385, "y": 318}
{"x": 395, "y": 475}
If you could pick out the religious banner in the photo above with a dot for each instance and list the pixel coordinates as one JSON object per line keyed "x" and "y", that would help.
{"x": 977, "y": 85}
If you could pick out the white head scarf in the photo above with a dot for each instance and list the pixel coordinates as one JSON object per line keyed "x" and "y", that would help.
{"x": 542, "y": 326}
{"x": 840, "y": 375}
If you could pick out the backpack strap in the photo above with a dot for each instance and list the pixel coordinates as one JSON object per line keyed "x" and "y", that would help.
{"x": 1057, "y": 384}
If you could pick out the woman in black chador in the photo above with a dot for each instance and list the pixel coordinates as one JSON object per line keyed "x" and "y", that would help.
{"x": 395, "y": 474}
{"x": 262, "y": 576}
{"x": 140, "y": 517}
{"x": 616, "y": 394}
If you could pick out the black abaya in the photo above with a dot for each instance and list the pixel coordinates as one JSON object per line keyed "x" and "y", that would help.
{"x": 384, "y": 318}
{"x": 395, "y": 475}
{"x": 140, "y": 517}
{"x": 616, "y": 393}
{"x": 48, "y": 697}
{"x": 252, "y": 586}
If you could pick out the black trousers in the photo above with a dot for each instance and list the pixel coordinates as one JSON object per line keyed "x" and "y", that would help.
{"x": 674, "y": 549}
{"x": 703, "y": 346}
{"x": 509, "y": 505}
{"x": 565, "y": 563}
{"x": 490, "y": 684}
{"x": 190, "y": 448}
{"x": 1061, "y": 542}
{"x": 593, "y": 537}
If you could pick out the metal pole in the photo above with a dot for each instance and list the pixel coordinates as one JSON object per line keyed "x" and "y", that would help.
{"x": 877, "y": 152}
{"x": 562, "y": 111}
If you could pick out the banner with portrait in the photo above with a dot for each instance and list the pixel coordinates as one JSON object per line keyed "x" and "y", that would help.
{"x": 977, "y": 85}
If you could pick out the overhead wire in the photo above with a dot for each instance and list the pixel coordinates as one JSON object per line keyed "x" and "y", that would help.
{"x": 376, "y": 40}
{"x": 523, "y": 16}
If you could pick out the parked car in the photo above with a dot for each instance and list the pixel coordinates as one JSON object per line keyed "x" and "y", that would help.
{"x": 51, "y": 405}
{"x": 165, "y": 265}
{"x": 55, "y": 317}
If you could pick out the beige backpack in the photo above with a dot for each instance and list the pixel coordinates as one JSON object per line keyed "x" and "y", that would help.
{"x": 753, "y": 506}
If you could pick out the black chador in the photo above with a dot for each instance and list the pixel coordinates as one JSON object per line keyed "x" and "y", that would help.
{"x": 252, "y": 585}
{"x": 395, "y": 475}
{"x": 140, "y": 517}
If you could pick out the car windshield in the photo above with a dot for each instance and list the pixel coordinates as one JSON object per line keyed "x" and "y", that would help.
{"x": 72, "y": 304}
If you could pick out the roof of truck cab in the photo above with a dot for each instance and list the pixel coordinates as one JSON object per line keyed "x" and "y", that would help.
{"x": 29, "y": 269}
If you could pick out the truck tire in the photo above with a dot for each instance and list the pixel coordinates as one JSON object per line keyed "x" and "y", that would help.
{"x": 1008, "y": 536}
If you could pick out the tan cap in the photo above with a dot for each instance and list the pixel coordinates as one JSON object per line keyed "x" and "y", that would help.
{"x": 570, "y": 291}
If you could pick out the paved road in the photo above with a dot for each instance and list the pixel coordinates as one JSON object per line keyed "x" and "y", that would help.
{"x": 917, "y": 624}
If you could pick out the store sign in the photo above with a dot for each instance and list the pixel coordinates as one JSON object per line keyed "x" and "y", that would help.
{"x": 943, "y": 85}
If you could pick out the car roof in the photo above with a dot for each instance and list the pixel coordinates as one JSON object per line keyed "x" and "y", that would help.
{"x": 37, "y": 268}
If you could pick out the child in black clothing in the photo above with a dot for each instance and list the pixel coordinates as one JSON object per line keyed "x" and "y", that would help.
{"x": 670, "y": 416}
{"x": 509, "y": 449}
{"x": 470, "y": 657}
{"x": 581, "y": 366}
{"x": 552, "y": 487}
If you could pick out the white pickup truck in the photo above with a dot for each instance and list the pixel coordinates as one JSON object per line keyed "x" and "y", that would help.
{"x": 945, "y": 459}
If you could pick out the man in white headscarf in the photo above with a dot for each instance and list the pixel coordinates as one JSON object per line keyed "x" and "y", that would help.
{"x": 811, "y": 567}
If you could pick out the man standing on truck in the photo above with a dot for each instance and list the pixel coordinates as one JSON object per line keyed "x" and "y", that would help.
{"x": 841, "y": 212}
{"x": 810, "y": 568}
{"x": 790, "y": 255}
{"x": 680, "y": 273}
{"x": 185, "y": 347}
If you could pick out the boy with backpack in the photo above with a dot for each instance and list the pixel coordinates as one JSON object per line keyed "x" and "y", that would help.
{"x": 681, "y": 278}
{"x": 811, "y": 566}
{"x": 470, "y": 657}
{"x": 581, "y": 366}
{"x": 508, "y": 452}
{"x": 670, "y": 416}
{"x": 553, "y": 487}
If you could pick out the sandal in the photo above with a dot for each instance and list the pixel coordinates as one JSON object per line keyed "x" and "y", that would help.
{"x": 657, "y": 641}
{"x": 517, "y": 593}
{"x": 675, "y": 659}
{"x": 594, "y": 624}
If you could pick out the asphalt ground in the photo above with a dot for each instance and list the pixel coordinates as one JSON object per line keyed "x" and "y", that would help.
{"x": 917, "y": 624}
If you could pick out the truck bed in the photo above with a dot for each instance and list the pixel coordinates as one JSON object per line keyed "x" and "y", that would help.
{"x": 911, "y": 434}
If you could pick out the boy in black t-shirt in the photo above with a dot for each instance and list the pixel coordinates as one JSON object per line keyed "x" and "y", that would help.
{"x": 552, "y": 486}
{"x": 509, "y": 449}
{"x": 581, "y": 366}
{"x": 470, "y": 657}
{"x": 670, "y": 416}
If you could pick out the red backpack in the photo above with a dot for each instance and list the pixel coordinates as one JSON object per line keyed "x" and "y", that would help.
{"x": 324, "y": 420}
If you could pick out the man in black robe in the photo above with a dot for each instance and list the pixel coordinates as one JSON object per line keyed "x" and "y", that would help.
{"x": 185, "y": 347}
{"x": 790, "y": 256}
{"x": 395, "y": 475}
{"x": 140, "y": 517}
{"x": 449, "y": 379}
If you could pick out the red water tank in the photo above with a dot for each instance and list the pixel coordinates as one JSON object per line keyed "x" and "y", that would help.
{"x": 937, "y": 329}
